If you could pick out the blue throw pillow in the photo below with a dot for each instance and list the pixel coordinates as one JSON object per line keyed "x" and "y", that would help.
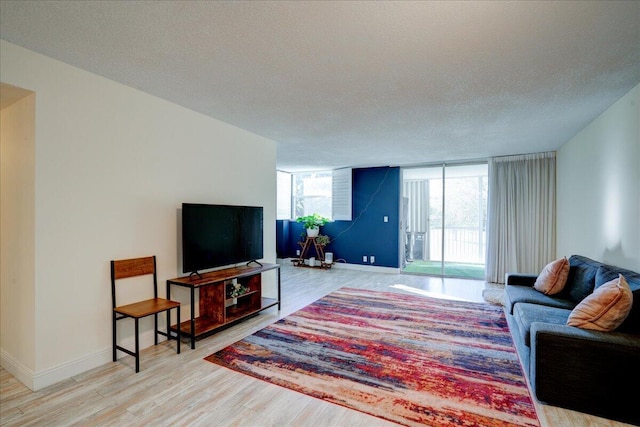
{"x": 582, "y": 278}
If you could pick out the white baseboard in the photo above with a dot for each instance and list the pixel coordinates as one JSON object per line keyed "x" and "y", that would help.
{"x": 347, "y": 266}
{"x": 41, "y": 379}
{"x": 17, "y": 369}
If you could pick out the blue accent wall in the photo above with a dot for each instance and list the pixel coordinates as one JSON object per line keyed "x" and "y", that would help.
{"x": 376, "y": 194}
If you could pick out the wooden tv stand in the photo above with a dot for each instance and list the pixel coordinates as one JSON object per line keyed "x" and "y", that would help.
{"x": 217, "y": 309}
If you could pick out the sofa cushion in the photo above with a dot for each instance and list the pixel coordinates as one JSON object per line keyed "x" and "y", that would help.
{"x": 582, "y": 278}
{"x": 553, "y": 277}
{"x": 607, "y": 273}
{"x": 515, "y": 294}
{"x": 525, "y": 314}
{"x": 605, "y": 309}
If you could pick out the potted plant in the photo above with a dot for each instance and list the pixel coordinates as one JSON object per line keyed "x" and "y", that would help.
{"x": 312, "y": 223}
{"x": 323, "y": 240}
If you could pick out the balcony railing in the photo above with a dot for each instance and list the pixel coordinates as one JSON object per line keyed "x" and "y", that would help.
{"x": 461, "y": 244}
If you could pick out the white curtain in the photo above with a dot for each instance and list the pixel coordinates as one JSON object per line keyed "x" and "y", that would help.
{"x": 521, "y": 229}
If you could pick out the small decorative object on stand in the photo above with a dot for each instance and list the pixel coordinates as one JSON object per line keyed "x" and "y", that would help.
{"x": 234, "y": 290}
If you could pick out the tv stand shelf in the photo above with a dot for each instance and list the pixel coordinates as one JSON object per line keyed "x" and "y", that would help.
{"x": 216, "y": 309}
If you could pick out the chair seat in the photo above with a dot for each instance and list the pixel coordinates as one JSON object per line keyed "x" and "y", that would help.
{"x": 147, "y": 307}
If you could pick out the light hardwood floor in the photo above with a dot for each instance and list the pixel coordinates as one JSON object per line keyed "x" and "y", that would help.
{"x": 185, "y": 390}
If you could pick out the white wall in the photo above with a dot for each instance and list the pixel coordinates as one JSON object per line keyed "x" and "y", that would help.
{"x": 17, "y": 230}
{"x": 599, "y": 187}
{"x": 112, "y": 167}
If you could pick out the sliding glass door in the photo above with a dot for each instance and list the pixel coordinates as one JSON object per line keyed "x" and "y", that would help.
{"x": 445, "y": 220}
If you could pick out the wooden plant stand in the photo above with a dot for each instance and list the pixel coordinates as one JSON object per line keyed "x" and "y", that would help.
{"x": 306, "y": 245}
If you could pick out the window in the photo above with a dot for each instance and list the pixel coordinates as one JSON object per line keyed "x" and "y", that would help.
{"x": 341, "y": 194}
{"x": 312, "y": 193}
{"x": 327, "y": 193}
{"x": 283, "y": 201}
{"x": 446, "y": 215}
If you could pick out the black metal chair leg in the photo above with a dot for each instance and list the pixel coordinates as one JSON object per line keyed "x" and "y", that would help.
{"x": 178, "y": 329}
{"x": 168, "y": 325}
{"x": 137, "y": 349}
{"x": 155, "y": 328}
{"x": 113, "y": 321}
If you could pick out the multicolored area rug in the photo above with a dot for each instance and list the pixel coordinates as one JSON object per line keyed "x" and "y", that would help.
{"x": 408, "y": 359}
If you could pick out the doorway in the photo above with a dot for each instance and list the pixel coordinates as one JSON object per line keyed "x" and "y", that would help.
{"x": 445, "y": 216}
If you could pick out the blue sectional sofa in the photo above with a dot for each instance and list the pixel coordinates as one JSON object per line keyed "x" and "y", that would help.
{"x": 580, "y": 369}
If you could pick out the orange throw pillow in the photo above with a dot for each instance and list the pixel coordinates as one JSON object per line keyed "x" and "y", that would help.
{"x": 605, "y": 309}
{"x": 553, "y": 277}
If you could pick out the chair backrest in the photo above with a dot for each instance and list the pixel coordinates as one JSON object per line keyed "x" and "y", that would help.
{"x": 124, "y": 268}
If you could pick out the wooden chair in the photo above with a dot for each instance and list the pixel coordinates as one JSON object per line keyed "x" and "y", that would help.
{"x": 122, "y": 269}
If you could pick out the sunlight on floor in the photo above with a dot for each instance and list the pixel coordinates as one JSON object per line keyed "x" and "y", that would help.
{"x": 427, "y": 293}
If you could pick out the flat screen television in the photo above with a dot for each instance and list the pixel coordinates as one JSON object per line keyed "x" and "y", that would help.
{"x": 220, "y": 235}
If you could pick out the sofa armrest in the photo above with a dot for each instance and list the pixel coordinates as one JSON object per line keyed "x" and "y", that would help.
{"x": 520, "y": 279}
{"x": 586, "y": 370}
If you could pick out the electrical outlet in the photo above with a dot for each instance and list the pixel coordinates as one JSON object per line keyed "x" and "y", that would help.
{"x": 298, "y": 252}
{"x": 364, "y": 258}
{"x": 385, "y": 218}
{"x": 372, "y": 259}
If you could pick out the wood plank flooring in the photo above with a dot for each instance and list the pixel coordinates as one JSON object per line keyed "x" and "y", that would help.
{"x": 185, "y": 390}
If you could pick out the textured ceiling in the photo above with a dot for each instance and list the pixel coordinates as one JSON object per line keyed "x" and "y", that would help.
{"x": 353, "y": 83}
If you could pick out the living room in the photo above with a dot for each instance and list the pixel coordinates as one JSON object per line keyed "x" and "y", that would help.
{"x": 100, "y": 169}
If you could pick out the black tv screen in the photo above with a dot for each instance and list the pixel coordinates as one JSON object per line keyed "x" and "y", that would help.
{"x": 220, "y": 235}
